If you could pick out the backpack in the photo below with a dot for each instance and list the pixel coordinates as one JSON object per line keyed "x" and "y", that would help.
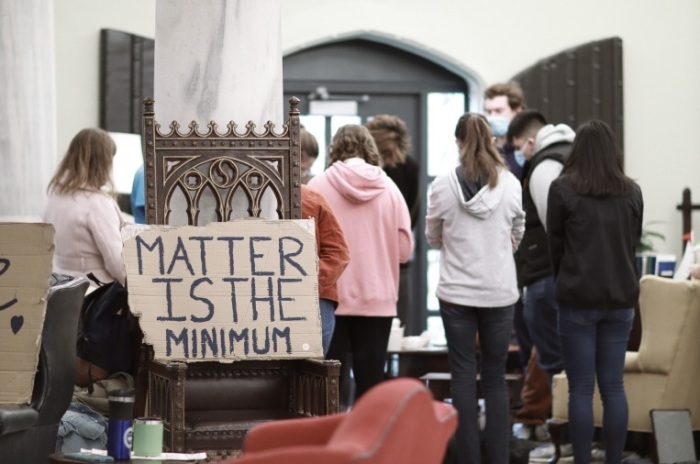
{"x": 106, "y": 329}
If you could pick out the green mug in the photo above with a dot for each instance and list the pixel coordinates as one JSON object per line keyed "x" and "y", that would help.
{"x": 148, "y": 437}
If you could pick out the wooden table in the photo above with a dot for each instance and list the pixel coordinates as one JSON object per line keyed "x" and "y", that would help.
{"x": 439, "y": 384}
{"x": 415, "y": 363}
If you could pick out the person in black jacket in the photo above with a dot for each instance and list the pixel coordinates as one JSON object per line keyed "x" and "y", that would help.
{"x": 594, "y": 220}
{"x": 393, "y": 141}
{"x": 545, "y": 148}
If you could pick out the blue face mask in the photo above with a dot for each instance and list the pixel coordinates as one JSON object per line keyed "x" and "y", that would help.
{"x": 499, "y": 126}
{"x": 519, "y": 157}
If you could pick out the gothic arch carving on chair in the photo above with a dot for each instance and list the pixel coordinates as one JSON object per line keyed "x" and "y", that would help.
{"x": 261, "y": 171}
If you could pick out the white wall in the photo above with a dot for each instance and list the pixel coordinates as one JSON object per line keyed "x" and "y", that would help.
{"x": 495, "y": 39}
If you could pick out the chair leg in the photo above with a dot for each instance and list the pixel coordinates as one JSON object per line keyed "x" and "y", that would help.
{"x": 556, "y": 429}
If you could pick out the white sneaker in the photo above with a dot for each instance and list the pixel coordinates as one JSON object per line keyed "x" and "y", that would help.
{"x": 522, "y": 431}
{"x": 540, "y": 433}
{"x": 545, "y": 452}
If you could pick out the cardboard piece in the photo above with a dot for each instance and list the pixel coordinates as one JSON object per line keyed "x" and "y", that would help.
{"x": 26, "y": 254}
{"x": 245, "y": 289}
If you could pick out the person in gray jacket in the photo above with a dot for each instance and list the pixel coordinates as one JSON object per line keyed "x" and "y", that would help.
{"x": 476, "y": 220}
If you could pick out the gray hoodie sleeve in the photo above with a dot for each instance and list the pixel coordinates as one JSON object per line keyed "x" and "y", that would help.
{"x": 433, "y": 219}
{"x": 518, "y": 228}
{"x": 542, "y": 177}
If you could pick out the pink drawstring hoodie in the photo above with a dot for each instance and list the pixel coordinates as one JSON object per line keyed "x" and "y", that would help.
{"x": 377, "y": 227}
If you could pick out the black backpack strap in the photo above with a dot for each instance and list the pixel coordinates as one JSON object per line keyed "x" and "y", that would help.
{"x": 94, "y": 278}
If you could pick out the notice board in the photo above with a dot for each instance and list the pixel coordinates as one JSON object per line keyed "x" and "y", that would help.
{"x": 245, "y": 289}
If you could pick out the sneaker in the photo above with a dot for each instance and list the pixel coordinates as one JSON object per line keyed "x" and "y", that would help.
{"x": 522, "y": 431}
{"x": 540, "y": 433}
{"x": 545, "y": 452}
{"x": 597, "y": 455}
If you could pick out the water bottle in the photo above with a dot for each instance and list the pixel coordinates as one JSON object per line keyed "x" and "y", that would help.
{"x": 120, "y": 431}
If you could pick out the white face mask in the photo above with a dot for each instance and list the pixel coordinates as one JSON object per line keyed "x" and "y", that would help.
{"x": 499, "y": 125}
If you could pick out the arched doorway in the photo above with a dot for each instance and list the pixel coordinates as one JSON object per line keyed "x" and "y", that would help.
{"x": 350, "y": 81}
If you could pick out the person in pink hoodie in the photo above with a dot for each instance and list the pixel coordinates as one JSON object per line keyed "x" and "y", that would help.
{"x": 377, "y": 226}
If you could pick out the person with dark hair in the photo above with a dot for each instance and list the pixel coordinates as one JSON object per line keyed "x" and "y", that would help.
{"x": 475, "y": 219}
{"x": 394, "y": 144}
{"x": 377, "y": 228}
{"x": 82, "y": 209}
{"x": 535, "y": 394}
{"x": 594, "y": 221}
{"x": 502, "y": 102}
{"x": 545, "y": 149}
{"x": 525, "y": 123}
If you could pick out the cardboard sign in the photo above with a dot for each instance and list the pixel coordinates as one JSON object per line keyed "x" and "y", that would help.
{"x": 245, "y": 289}
{"x": 26, "y": 252}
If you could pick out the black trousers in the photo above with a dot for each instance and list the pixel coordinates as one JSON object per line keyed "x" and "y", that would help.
{"x": 361, "y": 341}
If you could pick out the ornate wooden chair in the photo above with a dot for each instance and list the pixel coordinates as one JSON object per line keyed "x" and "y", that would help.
{"x": 194, "y": 179}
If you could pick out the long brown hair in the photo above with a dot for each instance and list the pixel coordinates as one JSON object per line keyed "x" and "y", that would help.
{"x": 478, "y": 155}
{"x": 594, "y": 165}
{"x": 87, "y": 164}
{"x": 392, "y": 138}
{"x": 353, "y": 140}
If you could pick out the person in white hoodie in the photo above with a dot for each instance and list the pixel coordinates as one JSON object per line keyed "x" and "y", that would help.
{"x": 377, "y": 227}
{"x": 475, "y": 219}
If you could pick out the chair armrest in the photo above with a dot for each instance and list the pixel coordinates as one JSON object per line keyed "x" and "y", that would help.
{"x": 317, "y": 387}
{"x": 292, "y": 432}
{"x": 16, "y": 418}
{"x": 320, "y": 367}
{"x": 444, "y": 412}
{"x": 632, "y": 362}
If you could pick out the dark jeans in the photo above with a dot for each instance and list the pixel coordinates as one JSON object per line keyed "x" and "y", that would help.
{"x": 366, "y": 339}
{"x": 540, "y": 310}
{"x": 494, "y": 325}
{"x": 594, "y": 342}
{"x": 327, "y": 308}
{"x": 522, "y": 335}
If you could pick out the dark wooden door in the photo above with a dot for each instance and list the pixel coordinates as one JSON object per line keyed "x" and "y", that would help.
{"x": 578, "y": 84}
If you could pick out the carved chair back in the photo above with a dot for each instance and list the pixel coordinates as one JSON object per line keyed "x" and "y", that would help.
{"x": 195, "y": 178}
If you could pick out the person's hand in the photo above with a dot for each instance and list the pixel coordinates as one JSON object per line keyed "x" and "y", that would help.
{"x": 695, "y": 271}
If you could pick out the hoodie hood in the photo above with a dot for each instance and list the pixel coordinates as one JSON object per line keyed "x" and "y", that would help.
{"x": 551, "y": 134}
{"x": 357, "y": 181}
{"x": 476, "y": 197}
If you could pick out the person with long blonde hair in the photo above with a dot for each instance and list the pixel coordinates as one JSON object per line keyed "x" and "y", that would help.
{"x": 475, "y": 219}
{"x": 375, "y": 221}
{"x": 82, "y": 209}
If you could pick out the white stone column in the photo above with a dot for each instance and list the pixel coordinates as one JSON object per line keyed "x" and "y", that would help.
{"x": 27, "y": 106}
{"x": 221, "y": 61}
{"x": 218, "y": 60}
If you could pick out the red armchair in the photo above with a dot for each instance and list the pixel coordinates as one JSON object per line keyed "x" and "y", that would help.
{"x": 396, "y": 421}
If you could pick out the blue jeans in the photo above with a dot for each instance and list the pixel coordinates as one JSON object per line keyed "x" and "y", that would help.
{"x": 594, "y": 342}
{"x": 327, "y": 322}
{"x": 540, "y": 311}
{"x": 494, "y": 325}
